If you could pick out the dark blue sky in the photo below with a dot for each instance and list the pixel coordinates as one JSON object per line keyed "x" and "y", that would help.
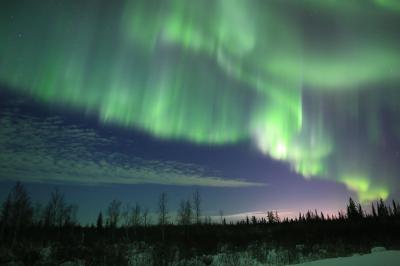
{"x": 281, "y": 189}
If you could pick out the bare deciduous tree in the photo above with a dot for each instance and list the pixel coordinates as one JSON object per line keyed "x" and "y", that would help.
{"x": 58, "y": 212}
{"x": 17, "y": 211}
{"x": 126, "y": 215}
{"x": 196, "y": 206}
{"x": 99, "y": 222}
{"x": 184, "y": 216}
{"x": 113, "y": 213}
{"x": 163, "y": 213}
{"x": 136, "y": 217}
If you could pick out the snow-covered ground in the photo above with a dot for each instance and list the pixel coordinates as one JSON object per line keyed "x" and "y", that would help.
{"x": 383, "y": 258}
{"x": 139, "y": 254}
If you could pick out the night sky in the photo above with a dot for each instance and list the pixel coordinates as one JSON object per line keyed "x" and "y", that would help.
{"x": 259, "y": 104}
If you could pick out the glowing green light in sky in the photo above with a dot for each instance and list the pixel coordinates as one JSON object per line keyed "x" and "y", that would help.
{"x": 209, "y": 72}
{"x": 364, "y": 189}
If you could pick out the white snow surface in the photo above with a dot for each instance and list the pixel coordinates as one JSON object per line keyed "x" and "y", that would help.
{"x": 383, "y": 258}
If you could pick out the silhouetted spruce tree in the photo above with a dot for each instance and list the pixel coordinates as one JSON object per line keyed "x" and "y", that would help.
{"x": 374, "y": 214}
{"x": 308, "y": 216}
{"x": 352, "y": 212}
{"x": 316, "y": 217}
{"x": 99, "y": 222}
{"x": 271, "y": 217}
{"x": 395, "y": 209}
{"x": 382, "y": 209}
{"x": 390, "y": 211}
{"x": 6, "y": 215}
{"x": 360, "y": 211}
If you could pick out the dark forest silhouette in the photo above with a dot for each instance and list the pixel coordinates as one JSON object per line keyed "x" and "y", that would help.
{"x": 26, "y": 224}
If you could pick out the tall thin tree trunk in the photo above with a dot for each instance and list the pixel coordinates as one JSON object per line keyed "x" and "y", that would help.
{"x": 17, "y": 224}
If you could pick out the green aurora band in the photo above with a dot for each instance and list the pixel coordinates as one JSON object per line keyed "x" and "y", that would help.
{"x": 221, "y": 71}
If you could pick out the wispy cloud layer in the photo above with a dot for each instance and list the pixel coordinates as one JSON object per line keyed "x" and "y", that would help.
{"x": 39, "y": 149}
{"x": 234, "y": 217}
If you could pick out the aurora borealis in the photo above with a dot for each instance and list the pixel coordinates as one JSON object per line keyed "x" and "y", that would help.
{"x": 310, "y": 83}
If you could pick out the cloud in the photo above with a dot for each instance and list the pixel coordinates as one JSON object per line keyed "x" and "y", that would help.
{"x": 38, "y": 149}
{"x": 258, "y": 214}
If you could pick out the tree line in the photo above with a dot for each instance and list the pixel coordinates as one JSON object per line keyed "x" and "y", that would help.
{"x": 18, "y": 213}
{"x": 117, "y": 214}
{"x": 26, "y": 228}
